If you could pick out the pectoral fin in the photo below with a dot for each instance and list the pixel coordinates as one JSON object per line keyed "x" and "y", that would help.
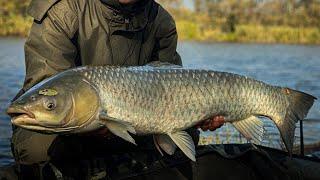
{"x": 119, "y": 128}
{"x": 251, "y": 128}
{"x": 184, "y": 141}
{"x": 164, "y": 142}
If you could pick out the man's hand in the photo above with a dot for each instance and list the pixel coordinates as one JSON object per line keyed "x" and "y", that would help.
{"x": 212, "y": 124}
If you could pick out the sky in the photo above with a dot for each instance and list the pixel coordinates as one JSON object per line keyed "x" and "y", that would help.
{"x": 188, "y": 3}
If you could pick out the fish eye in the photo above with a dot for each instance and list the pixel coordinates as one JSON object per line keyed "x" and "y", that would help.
{"x": 50, "y": 105}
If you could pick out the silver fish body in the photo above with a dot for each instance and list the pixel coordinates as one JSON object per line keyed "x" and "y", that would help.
{"x": 164, "y": 100}
{"x": 160, "y": 100}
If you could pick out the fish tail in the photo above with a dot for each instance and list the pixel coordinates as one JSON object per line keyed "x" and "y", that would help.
{"x": 298, "y": 108}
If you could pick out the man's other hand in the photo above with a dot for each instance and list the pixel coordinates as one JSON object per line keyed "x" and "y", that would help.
{"x": 212, "y": 124}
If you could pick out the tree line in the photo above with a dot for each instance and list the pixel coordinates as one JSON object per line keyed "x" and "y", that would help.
{"x": 266, "y": 21}
{"x": 266, "y": 12}
{"x": 294, "y": 13}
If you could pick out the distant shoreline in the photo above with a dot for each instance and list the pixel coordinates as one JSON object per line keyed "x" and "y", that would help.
{"x": 257, "y": 34}
{"x": 190, "y": 31}
{"x": 201, "y": 41}
{"x": 259, "y": 22}
{"x": 248, "y": 43}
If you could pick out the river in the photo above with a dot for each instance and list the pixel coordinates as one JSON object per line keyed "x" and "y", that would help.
{"x": 293, "y": 66}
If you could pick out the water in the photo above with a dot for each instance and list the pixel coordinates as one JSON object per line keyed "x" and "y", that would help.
{"x": 11, "y": 79}
{"x": 292, "y": 66}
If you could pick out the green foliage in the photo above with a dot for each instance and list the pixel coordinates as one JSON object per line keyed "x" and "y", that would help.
{"x": 13, "y": 18}
{"x": 190, "y": 30}
{"x": 255, "y": 33}
{"x": 230, "y": 25}
{"x": 263, "y": 21}
{"x": 14, "y": 25}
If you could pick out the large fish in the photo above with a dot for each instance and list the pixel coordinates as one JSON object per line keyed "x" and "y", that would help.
{"x": 158, "y": 99}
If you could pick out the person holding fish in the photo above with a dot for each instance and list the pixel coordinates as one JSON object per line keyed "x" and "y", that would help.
{"x": 71, "y": 33}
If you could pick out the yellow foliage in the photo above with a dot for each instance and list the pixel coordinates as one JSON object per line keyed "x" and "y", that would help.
{"x": 15, "y": 26}
{"x": 250, "y": 33}
{"x": 187, "y": 30}
{"x": 299, "y": 25}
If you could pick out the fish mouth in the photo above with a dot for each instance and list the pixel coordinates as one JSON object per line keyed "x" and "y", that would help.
{"x": 26, "y": 119}
{"x": 21, "y": 116}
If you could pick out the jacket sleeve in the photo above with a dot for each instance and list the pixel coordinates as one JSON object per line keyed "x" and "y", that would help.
{"x": 49, "y": 48}
{"x": 165, "y": 49}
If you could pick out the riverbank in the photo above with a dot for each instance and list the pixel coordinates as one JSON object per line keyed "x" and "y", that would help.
{"x": 187, "y": 30}
{"x": 250, "y": 34}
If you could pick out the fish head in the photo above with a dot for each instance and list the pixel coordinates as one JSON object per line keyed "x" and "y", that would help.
{"x": 59, "y": 104}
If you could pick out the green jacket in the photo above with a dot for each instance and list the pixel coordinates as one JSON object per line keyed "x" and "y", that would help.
{"x": 69, "y": 33}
